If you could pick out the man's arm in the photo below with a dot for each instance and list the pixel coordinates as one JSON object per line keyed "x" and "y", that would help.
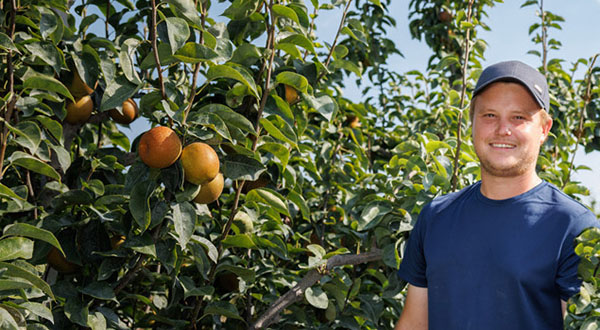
{"x": 414, "y": 314}
{"x": 563, "y": 305}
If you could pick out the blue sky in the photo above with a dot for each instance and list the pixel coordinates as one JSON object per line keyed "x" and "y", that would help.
{"x": 508, "y": 39}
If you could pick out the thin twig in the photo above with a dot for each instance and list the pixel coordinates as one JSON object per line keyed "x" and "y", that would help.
{"x": 335, "y": 40}
{"x": 11, "y": 89}
{"x": 271, "y": 315}
{"x": 311, "y": 28}
{"x": 544, "y": 38}
{"x": 107, "y": 15}
{"x": 586, "y": 100}
{"x": 197, "y": 66}
{"x": 153, "y": 34}
{"x": 463, "y": 93}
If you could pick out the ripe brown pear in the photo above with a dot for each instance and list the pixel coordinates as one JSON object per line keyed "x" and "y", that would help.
{"x": 159, "y": 147}
{"x": 59, "y": 262}
{"x": 291, "y": 95}
{"x": 78, "y": 87}
{"x": 200, "y": 163}
{"x": 80, "y": 111}
{"x": 129, "y": 114}
{"x": 210, "y": 192}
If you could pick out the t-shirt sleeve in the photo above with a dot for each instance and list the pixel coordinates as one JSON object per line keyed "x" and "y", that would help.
{"x": 567, "y": 279}
{"x": 413, "y": 266}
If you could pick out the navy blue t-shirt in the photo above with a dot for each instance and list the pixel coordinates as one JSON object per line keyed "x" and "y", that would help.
{"x": 496, "y": 264}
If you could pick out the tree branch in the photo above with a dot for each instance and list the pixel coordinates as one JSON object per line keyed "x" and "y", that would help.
{"x": 586, "y": 100}
{"x": 297, "y": 292}
{"x": 463, "y": 93}
{"x": 11, "y": 89}
{"x": 335, "y": 40}
{"x": 155, "y": 50}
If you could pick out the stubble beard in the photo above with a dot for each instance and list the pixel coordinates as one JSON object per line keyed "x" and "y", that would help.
{"x": 525, "y": 164}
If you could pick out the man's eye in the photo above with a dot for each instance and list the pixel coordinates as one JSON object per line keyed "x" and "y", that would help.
{"x": 489, "y": 115}
{"x": 519, "y": 118}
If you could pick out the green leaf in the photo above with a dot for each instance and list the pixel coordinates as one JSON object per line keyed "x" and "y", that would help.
{"x": 275, "y": 132}
{"x": 391, "y": 257}
{"x": 371, "y": 215}
{"x": 27, "y": 230}
{"x": 76, "y": 311}
{"x": 573, "y": 188}
{"x": 38, "y": 309}
{"x": 195, "y": 53}
{"x": 72, "y": 197}
{"x": 240, "y": 241}
{"x": 6, "y": 285}
{"x": 7, "y": 44}
{"x": 283, "y": 11}
{"x": 297, "y": 199}
{"x": 346, "y": 65}
{"x": 53, "y": 126}
{"x": 269, "y": 197}
{"x": 96, "y": 321}
{"x": 300, "y": 40}
{"x": 17, "y": 271}
{"x": 230, "y": 117}
{"x": 187, "y": 9}
{"x": 46, "y": 83}
{"x": 33, "y": 164}
{"x": 211, "y": 250}
{"x": 278, "y": 150}
{"x": 293, "y": 79}
{"x": 15, "y": 247}
{"x": 324, "y": 104}
{"x": 126, "y": 60}
{"x": 222, "y": 308}
{"x": 247, "y": 274}
{"x": 6, "y": 191}
{"x": 178, "y": 32}
{"x": 47, "y": 52}
{"x": 99, "y": 290}
{"x": 164, "y": 56}
{"x": 117, "y": 92}
{"x": 234, "y": 72}
{"x": 446, "y": 61}
{"x": 48, "y": 21}
{"x": 28, "y": 134}
{"x": 7, "y": 321}
{"x": 240, "y": 167}
{"x": 139, "y": 203}
{"x": 184, "y": 218}
{"x": 316, "y": 297}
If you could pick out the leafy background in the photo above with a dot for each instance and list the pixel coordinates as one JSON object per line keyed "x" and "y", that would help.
{"x": 332, "y": 180}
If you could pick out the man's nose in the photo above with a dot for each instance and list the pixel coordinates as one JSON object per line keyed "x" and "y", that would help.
{"x": 504, "y": 128}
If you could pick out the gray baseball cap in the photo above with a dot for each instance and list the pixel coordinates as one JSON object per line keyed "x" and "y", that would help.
{"x": 520, "y": 72}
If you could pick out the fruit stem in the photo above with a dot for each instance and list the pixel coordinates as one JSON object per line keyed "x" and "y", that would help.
{"x": 463, "y": 93}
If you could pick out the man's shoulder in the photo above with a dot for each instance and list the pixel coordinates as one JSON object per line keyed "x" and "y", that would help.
{"x": 565, "y": 206}
{"x": 446, "y": 201}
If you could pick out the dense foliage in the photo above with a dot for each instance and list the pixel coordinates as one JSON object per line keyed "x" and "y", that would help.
{"x": 320, "y": 191}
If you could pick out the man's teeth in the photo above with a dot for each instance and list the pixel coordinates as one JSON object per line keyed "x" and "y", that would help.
{"x": 502, "y": 145}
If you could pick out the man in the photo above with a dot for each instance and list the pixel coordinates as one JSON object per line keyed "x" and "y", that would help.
{"x": 498, "y": 254}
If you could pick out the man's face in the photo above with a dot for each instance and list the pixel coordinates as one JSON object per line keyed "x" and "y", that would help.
{"x": 508, "y": 130}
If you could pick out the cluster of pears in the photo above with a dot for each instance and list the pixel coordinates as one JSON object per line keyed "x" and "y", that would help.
{"x": 160, "y": 147}
{"x": 79, "y": 112}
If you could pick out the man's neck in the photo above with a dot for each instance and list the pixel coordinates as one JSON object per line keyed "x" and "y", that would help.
{"x": 494, "y": 187}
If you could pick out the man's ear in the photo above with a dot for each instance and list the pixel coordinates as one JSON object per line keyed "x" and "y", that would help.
{"x": 546, "y": 126}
